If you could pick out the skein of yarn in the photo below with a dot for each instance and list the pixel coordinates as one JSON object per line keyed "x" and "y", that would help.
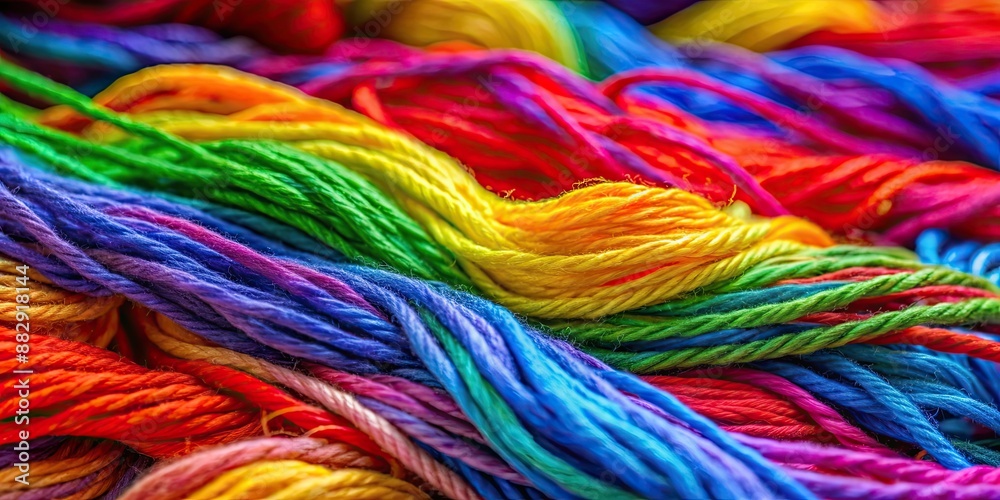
{"x": 517, "y": 24}
{"x": 934, "y": 33}
{"x": 742, "y": 462}
{"x": 499, "y": 249}
{"x": 591, "y": 141}
{"x": 291, "y": 25}
{"x": 652, "y": 328}
{"x": 477, "y": 305}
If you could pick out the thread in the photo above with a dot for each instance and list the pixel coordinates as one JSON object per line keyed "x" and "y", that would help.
{"x": 304, "y": 287}
{"x": 295, "y": 479}
{"x": 936, "y": 34}
{"x": 381, "y": 431}
{"x": 892, "y": 397}
{"x": 859, "y": 207}
{"x": 765, "y": 26}
{"x": 67, "y": 467}
{"x": 294, "y": 25}
{"x": 481, "y": 247}
{"x": 506, "y": 437}
{"x": 937, "y": 247}
{"x": 631, "y": 388}
{"x": 182, "y": 476}
{"x": 821, "y": 336}
{"x": 870, "y": 92}
{"x": 918, "y": 474}
{"x": 745, "y": 409}
{"x": 204, "y": 416}
{"x": 496, "y": 24}
{"x": 861, "y": 94}
{"x": 718, "y": 405}
{"x": 770, "y": 180}
{"x": 161, "y": 414}
{"x": 59, "y": 313}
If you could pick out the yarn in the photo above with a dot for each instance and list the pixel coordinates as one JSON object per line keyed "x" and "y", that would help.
{"x": 295, "y": 479}
{"x": 118, "y": 393}
{"x": 846, "y": 204}
{"x": 293, "y": 25}
{"x": 209, "y": 354}
{"x": 589, "y": 440}
{"x": 103, "y": 379}
{"x": 869, "y": 93}
{"x": 461, "y": 270}
{"x": 430, "y": 405}
{"x": 631, "y": 388}
{"x": 887, "y": 100}
{"x": 212, "y": 354}
{"x": 49, "y": 194}
{"x": 918, "y": 474}
{"x": 743, "y": 408}
{"x": 892, "y": 396}
{"x": 934, "y": 33}
{"x": 937, "y": 247}
{"x": 767, "y": 25}
{"x": 190, "y": 473}
{"x": 64, "y": 468}
{"x": 859, "y": 207}
{"x": 876, "y": 202}
{"x": 58, "y": 313}
{"x": 104, "y": 52}
{"x": 625, "y": 329}
{"x": 595, "y": 280}
{"x": 381, "y": 430}
{"x": 100, "y": 376}
{"x": 524, "y": 24}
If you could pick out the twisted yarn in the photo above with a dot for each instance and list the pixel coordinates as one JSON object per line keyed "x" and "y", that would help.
{"x": 295, "y": 25}
{"x": 498, "y": 388}
{"x": 500, "y": 250}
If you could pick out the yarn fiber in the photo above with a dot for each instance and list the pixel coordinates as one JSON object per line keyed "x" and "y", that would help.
{"x": 499, "y": 250}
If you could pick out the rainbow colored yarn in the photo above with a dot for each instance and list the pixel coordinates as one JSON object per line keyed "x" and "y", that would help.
{"x": 499, "y": 249}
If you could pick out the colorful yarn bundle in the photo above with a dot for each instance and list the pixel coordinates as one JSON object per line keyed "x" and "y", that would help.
{"x": 657, "y": 144}
{"x": 294, "y": 25}
{"x": 498, "y": 250}
{"x": 49, "y": 194}
{"x": 934, "y": 33}
{"x": 972, "y": 257}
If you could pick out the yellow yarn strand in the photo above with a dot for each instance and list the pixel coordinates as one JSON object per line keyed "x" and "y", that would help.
{"x": 293, "y": 479}
{"x": 594, "y": 251}
{"x": 58, "y": 312}
{"x": 764, "y": 25}
{"x": 532, "y": 25}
